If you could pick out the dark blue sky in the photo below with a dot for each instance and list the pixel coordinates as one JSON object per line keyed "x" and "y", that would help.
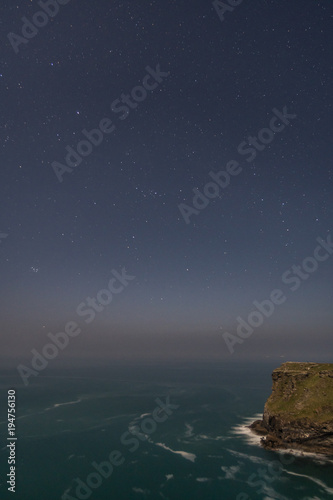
{"x": 120, "y": 207}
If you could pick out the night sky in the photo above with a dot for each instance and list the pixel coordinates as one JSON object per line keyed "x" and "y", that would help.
{"x": 181, "y": 94}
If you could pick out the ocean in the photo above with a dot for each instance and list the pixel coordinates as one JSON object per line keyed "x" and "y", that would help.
{"x": 174, "y": 431}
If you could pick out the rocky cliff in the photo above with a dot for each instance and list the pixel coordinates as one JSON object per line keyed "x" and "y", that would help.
{"x": 299, "y": 412}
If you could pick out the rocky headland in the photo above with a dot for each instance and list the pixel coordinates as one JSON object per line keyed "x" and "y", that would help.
{"x": 299, "y": 413}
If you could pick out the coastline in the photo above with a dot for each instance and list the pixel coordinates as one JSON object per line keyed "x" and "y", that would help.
{"x": 271, "y": 442}
{"x": 253, "y": 438}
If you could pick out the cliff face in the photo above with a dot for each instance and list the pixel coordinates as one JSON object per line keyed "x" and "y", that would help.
{"x": 299, "y": 412}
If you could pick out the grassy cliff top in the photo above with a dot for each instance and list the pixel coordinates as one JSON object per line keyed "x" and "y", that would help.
{"x": 303, "y": 390}
{"x": 300, "y": 367}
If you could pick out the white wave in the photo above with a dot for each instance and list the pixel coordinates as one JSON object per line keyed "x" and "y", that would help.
{"x": 169, "y": 476}
{"x": 246, "y": 456}
{"x": 222, "y": 438}
{"x": 271, "y": 494}
{"x": 140, "y": 490}
{"x": 203, "y": 436}
{"x": 144, "y": 415}
{"x": 313, "y": 479}
{"x": 230, "y": 472}
{"x": 184, "y": 454}
{"x": 136, "y": 431}
{"x": 244, "y": 430}
{"x": 189, "y": 431}
{"x": 202, "y": 479}
{"x": 317, "y": 457}
{"x": 56, "y": 405}
{"x": 270, "y": 491}
{"x": 211, "y": 438}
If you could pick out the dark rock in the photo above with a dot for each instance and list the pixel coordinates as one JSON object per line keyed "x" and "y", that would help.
{"x": 258, "y": 427}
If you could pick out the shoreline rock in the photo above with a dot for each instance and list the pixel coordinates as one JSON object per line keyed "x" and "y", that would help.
{"x": 299, "y": 413}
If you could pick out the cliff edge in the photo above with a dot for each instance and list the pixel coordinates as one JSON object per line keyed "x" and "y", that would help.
{"x": 299, "y": 412}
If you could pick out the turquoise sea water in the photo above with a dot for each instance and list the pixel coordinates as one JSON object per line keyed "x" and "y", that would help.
{"x": 202, "y": 450}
